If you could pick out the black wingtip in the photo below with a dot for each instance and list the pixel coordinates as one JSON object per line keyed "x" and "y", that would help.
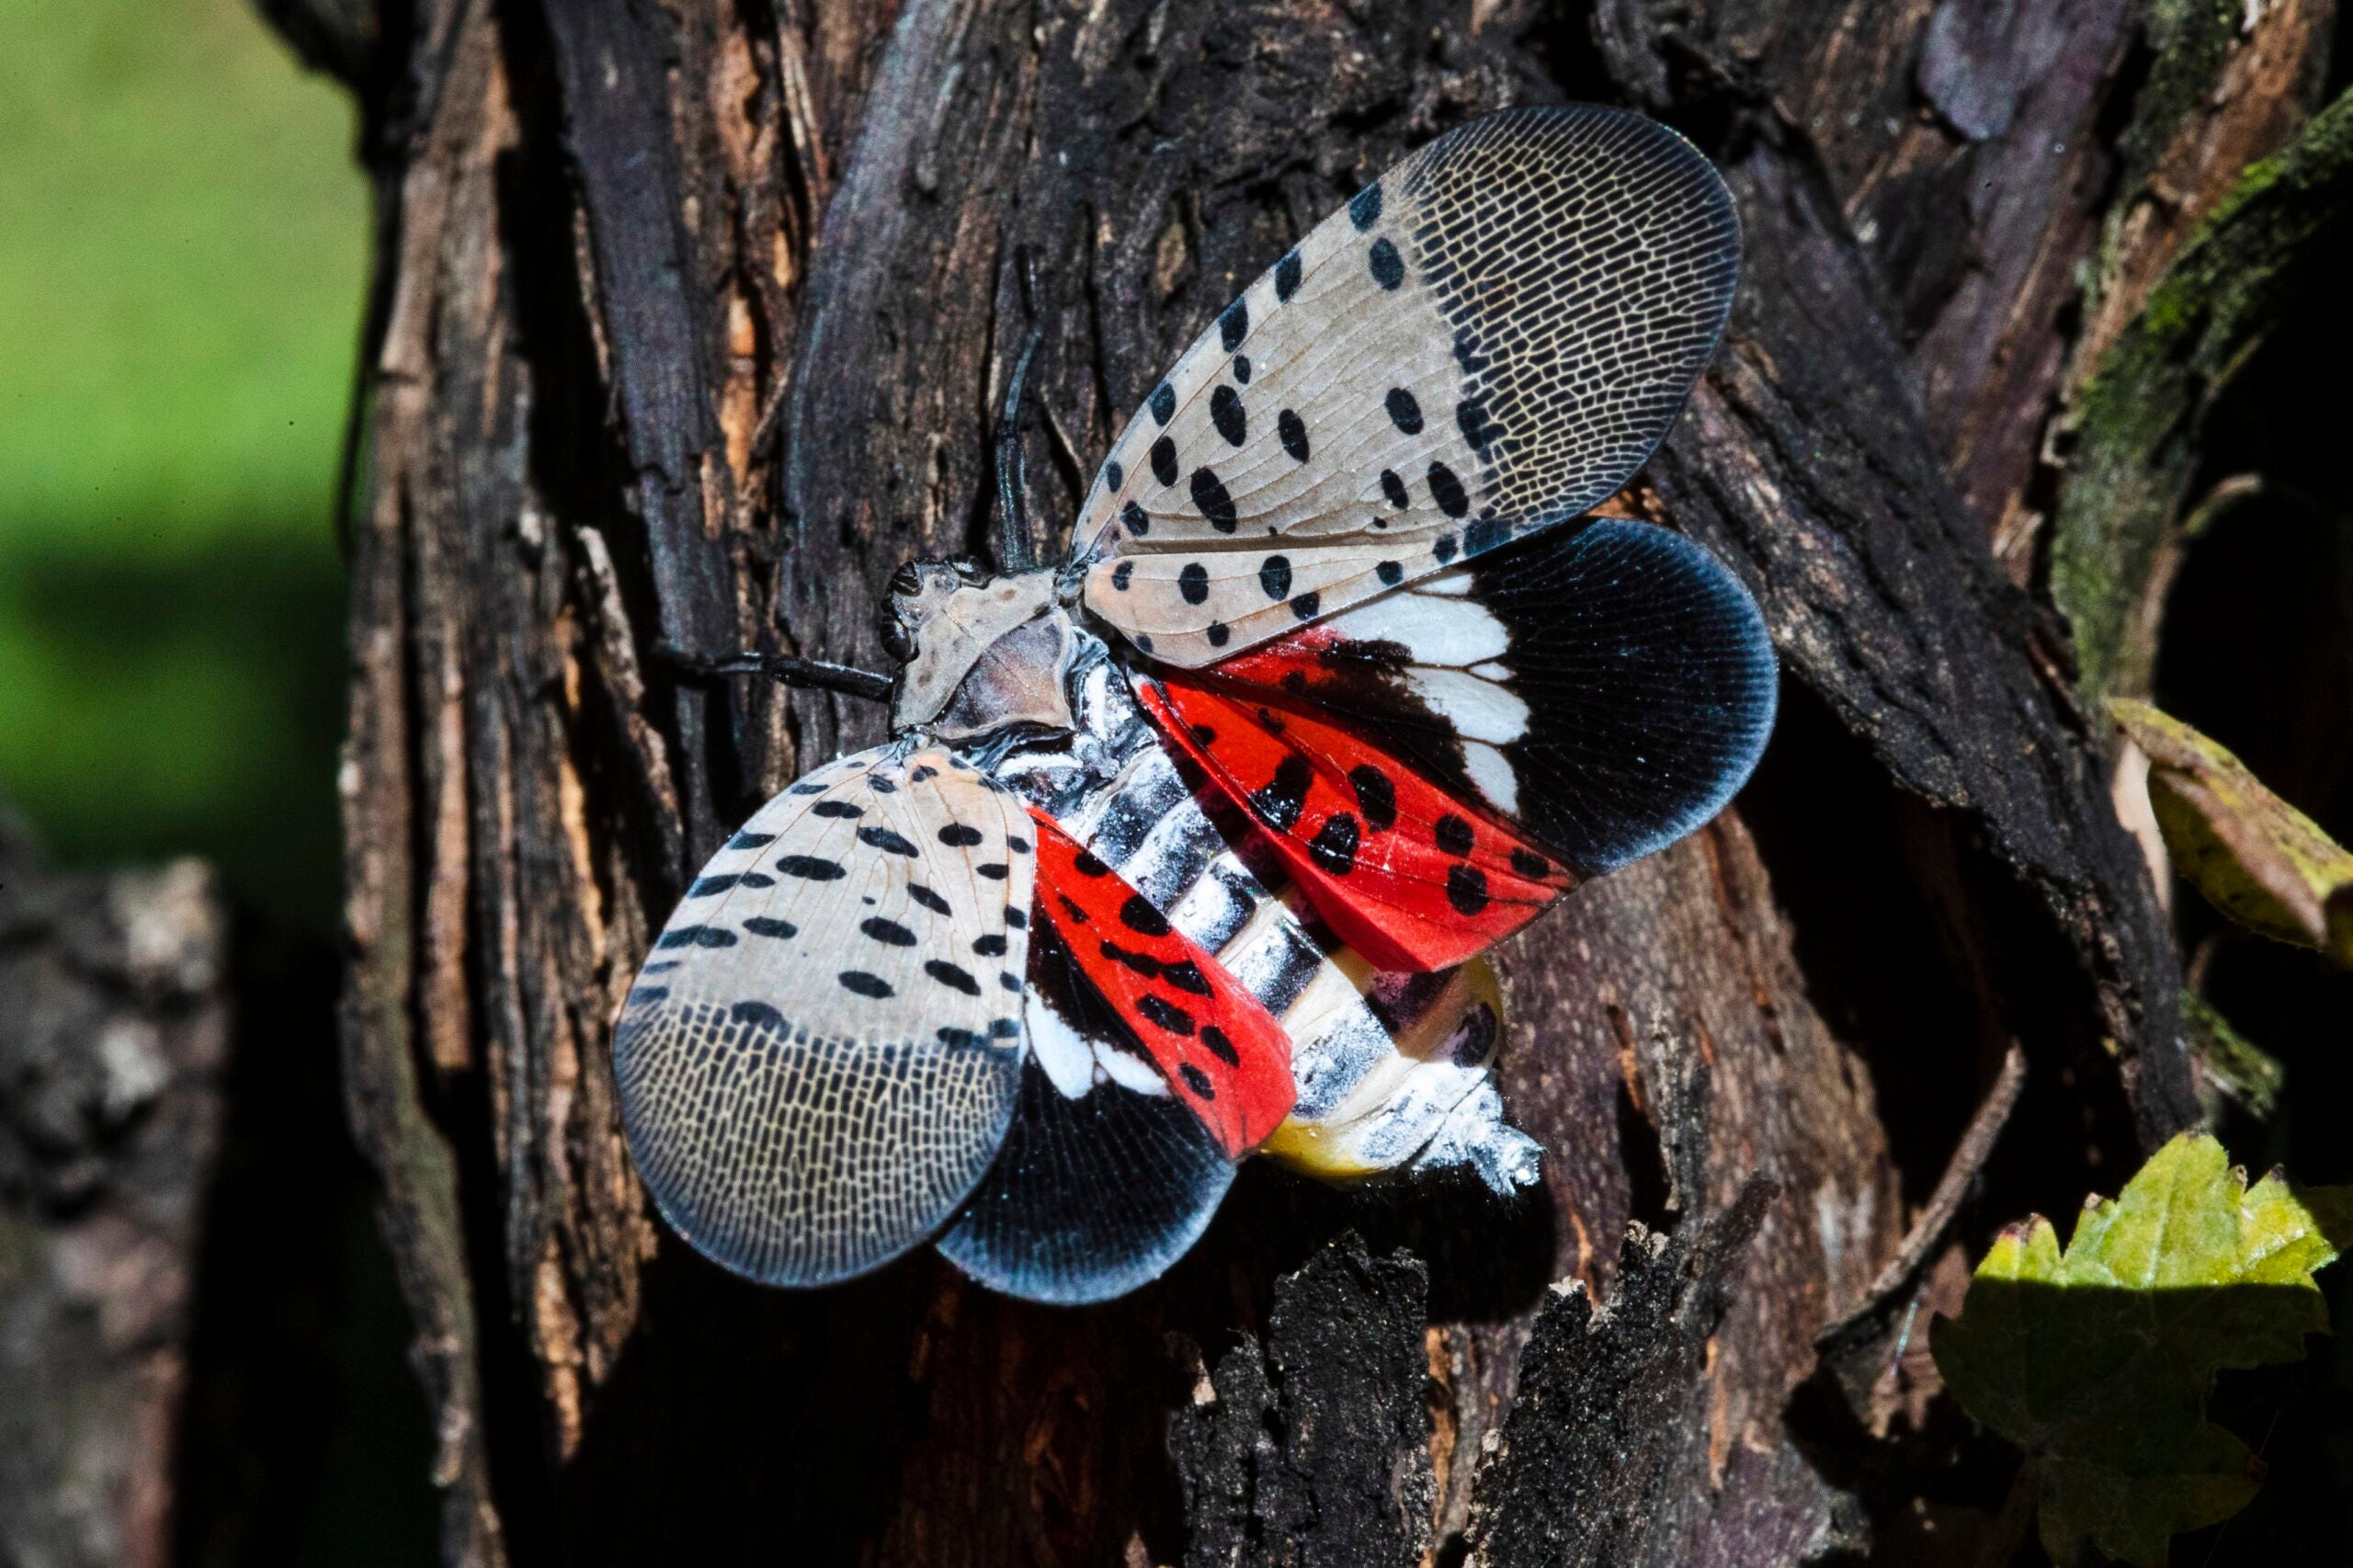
{"x": 1089, "y": 1199}
{"x": 1092, "y": 1197}
{"x": 1651, "y": 682}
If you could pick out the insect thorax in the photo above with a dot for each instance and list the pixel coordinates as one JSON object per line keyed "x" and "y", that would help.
{"x": 982, "y": 653}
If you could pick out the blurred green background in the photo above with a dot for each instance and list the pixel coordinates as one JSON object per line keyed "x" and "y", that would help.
{"x": 176, "y": 361}
{"x": 182, "y": 279}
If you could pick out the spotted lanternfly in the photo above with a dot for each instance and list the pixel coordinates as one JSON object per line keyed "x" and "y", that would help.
{"x": 1188, "y": 849}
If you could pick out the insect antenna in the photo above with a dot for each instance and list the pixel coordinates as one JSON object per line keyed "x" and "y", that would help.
{"x": 1016, "y": 548}
{"x": 817, "y": 675}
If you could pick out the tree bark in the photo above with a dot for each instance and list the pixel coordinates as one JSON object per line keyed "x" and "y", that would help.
{"x": 112, "y": 1059}
{"x": 689, "y": 322}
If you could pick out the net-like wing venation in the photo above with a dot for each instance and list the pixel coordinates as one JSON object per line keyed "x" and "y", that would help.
{"x": 1489, "y": 340}
{"x": 822, "y": 1054}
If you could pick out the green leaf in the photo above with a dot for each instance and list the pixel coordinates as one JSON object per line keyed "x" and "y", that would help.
{"x": 2098, "y": 1359}
{"x": 2256, "y": 857}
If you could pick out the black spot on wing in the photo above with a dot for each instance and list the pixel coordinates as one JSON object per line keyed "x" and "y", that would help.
{"x": 960, "y": 835}
{"x": 1234, "y": 326}
{"x": 1139, "y": 522}
{"x": 1287, "y": 276}
{"x": 1274, "y": 576}
{"x": 1197, "y": 1080}
{"x": 1226, "y": 412}
{"x": 1193, "y": 583}
{"x": 696, "y": 937}
{"x": 888, "y": 932}
{"x": 953, "y": 976}
{"x": 885, "y": 840}
{"x": 1218, "y": 632}
{"x": 1405, "y": 412}
{"x": 1394, "y": 489}
{"x": 1292, "y": 430}
{"x": 1164, "y": 1013}
{"x": 1307, "y": 607}
{"x": 846, "y": 810}
{"x": 1210, "y": 495}
{"x": 1114, "y": 475}
{"x": 1334, "y": 848}
{"x": 1138, "y": 914}
{"x": 1143, "y": 963}
{"x": 1389, "y": 573}
{"x": 1376, "y": 796}
{"x": 1530, "y": 865}
{"x": 759, "y": 1015}
{"x": 991, "y": 946}
{"x": 1163, "y": 460}
{"x": 747, "y": 839}
{"x": 1448, "y": 491}
{"x": 1364, "y": 207}
{"x": 865, "y": 984}
{"x": 1219, "y": 1046}
{"x": 767, "y": 926}
{"x": 918, "y": 893}
{"x": 1185, "y": 975}
{"x": 1388, "y": 266}
{"x": 1466, "y": 888}
{"x": 1121, "y": 574}
{"x": 1278, "y": 802}
{"x": 1163, "y": 403}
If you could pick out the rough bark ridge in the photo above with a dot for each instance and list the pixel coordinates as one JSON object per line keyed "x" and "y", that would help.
{"x": 690, "y": 320}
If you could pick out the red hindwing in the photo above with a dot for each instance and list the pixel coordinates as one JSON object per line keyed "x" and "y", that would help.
{"x": 1409, "y": 875}
{"x": 1223, "y": 1053}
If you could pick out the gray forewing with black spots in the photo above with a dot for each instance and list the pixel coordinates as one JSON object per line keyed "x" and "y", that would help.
{"x": 829, "y": 1056}
{"x": 1483, "y": 343}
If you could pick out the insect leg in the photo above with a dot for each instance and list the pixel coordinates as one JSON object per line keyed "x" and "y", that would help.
{"x": 819, "y": 674}
{"x": 1017, "y": 546}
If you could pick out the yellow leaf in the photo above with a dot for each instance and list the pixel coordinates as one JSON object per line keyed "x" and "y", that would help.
{"x": 2255, "y": 857}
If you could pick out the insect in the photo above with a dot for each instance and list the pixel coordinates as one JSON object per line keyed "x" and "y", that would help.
{"x": 1187, "y": 847}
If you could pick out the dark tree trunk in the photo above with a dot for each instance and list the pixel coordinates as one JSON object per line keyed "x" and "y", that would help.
{"x": 114, "y": 1045}
{"x": 690, "y": 320}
